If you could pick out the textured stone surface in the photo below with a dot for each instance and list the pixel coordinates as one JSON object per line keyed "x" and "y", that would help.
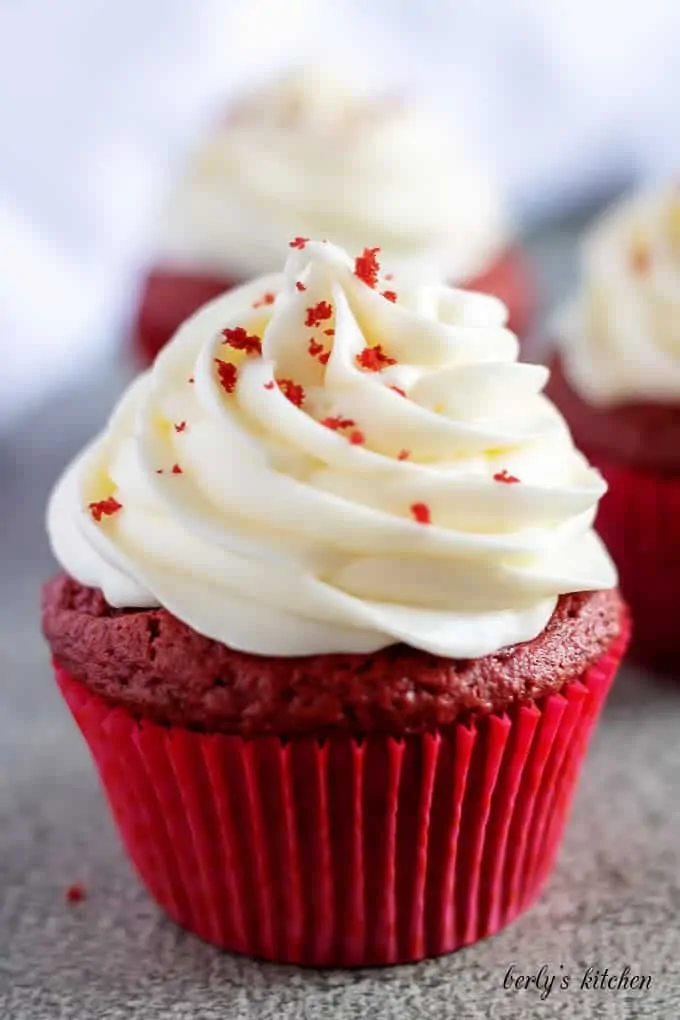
{"x": 613, "y": 900}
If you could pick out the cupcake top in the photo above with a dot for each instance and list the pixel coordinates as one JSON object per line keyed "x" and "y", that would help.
{"x": 620, "y": 338}
{"x": 310, "y": 155}
{"x": 330, "y": 461}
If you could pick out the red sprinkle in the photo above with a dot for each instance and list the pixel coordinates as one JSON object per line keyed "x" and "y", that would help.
{"x": 292, "y": 391}
{"x": 240, "y": 340}
{"x": 398, "y": 389}
{"x": 181, "y": 426}
{"x": 317, "y": 313}
{"x": 269, "y": 385}
{"x": 357, "y": 438}
{"x": 404, "y": 454}
{"x": 298, "y": 242}
{"x": 300, "y": 285}
{"x": 640, "y": 258}
{"x": 503, "y": 476}
{"x": 391, "y": 295}
{"x": 75, "y": 893}
{"x": 267, "y": 299}
{"x": 104, "y": 508}
{"x": 367, "y": 267}
{"x": 421, "y": 512}
{"x": 374, "y": 359}
{"x": 338, "y": 422}
{"x": 329, "y": 332}
{"x": 228, "y": 374}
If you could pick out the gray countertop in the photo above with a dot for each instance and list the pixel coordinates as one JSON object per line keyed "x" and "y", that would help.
{"x": 613, "y": 900}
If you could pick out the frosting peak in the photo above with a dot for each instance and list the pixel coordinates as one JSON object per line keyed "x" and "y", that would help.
{"x": 329, "y": 461}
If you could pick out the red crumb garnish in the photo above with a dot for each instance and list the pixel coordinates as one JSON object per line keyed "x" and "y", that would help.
{"x": 338, "y": 422}
{"x": 299, "y": 285}
{"x": 367, "y": 267}
{"x": 318, "y": 313}
{"x": 357, "y": 438}
{"x": 75, "y": 893}
{"x": 329, "y": 332}
{"x": 292, "y": 391}
{"x": 640, "y": 258}
{"x": 266, "y": 299}
{"x": 191, "y": 379}
{"x": 398, "y": 389}
{"x": 240, "y": 340}
{"x": 181, "y": 426}
{"x": 269, "y": 385}
{"x": 228, "y": 374}
{"x": 104, "y": 508}
{"x": 404, "y": 454}
{"x": 323, "y": 358}
{"x": 421, "y": 512}
{"x": 374, "y": 359}
{"x": 314, "y": 347}
{"x": 503, "y": 476}
{"x": 298, "y": 242}
{"x": 391, "y": 295}
{"x": 176, "y": 470}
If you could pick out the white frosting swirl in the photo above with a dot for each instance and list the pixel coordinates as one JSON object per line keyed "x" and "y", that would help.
{"x": 620, "y": 339}
{"x": 308, "y": 156}
{"x": 283, "y": 535}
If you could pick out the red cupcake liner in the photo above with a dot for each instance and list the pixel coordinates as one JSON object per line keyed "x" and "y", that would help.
{"x": 639, "y": 520}
{"x": 346, "y": 852}
{"x": 171, "y": 296}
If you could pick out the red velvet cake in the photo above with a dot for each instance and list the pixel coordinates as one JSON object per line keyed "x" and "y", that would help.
{"x": 333, "y": 619}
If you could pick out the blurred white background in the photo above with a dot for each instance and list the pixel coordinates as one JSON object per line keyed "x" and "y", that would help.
{"x": 101, "y": 102}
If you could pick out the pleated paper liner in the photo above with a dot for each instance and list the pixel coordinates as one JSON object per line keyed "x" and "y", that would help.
{"x": 639, "y": 520}
{"x": 346, "y": 852}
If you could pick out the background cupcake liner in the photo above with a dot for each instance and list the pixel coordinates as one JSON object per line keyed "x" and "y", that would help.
{"x": 171, "y": 296}
{"x": 639, "y": 519}
{"x": 345, "y": 852}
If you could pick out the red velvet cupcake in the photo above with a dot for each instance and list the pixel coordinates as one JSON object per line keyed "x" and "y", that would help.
{"x": 310, "y": 156}
{"x": 616, "y": 379}
{"x": 334, "y": 622}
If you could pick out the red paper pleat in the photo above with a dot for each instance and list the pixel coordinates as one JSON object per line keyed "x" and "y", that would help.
{"x": 639, "y": 520}
{"x": 347, "y": 852}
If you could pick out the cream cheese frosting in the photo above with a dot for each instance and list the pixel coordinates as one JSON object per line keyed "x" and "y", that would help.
{"x": 620, "y": 338}
{"x": 309, "y": 155}
{"x": 318, "y": 464}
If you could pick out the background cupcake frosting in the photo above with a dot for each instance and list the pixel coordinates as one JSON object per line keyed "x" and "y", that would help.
{"x": 620, "y": 337}
{"x": 309, "y": 153}
{"x": 321, "y": 463}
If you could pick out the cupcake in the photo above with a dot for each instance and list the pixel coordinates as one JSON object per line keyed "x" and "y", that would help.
{"x": 616, "y": 378}
{"x": 333, "y": 619}
{"x": 309, "y": 156}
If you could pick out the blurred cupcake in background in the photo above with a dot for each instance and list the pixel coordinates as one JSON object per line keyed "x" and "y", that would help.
{"x": 311, "y": 156}
{"x": 616, "y": 378}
